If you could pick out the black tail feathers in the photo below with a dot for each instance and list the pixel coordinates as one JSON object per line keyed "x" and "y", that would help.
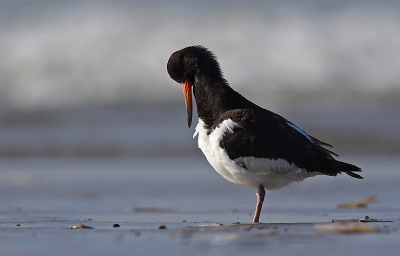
{"x": 349, "y": 169}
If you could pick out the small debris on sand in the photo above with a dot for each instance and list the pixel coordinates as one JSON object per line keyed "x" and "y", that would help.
{"x": 79, "y": 226}
{"x": 162, "y": 227}
{"x": 365, "y": 219}
{"x": 368, "y": 219}
{"x": 347, "y": 220}
{"x": 362, "y": 203}
{"x": 345, "y": 228}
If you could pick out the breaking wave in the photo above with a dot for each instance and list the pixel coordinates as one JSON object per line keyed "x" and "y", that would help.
{"x": 67, "y": 52}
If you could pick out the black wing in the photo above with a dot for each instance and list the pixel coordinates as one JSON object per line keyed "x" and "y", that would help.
{"x": 264, "y": 134}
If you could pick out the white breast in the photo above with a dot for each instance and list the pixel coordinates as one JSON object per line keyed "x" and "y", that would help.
{"x": 272, "y": 174}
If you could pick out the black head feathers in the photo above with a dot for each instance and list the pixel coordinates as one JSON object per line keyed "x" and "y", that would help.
{"x": 190, "y": 61}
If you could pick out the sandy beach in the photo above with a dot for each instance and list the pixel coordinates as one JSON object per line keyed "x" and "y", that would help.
{"x": 163, "y": 207}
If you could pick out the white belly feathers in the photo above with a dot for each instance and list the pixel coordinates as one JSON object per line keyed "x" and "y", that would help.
{"x": 272, "y": 174}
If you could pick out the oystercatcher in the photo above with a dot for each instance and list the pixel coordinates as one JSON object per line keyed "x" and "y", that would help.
{"x": 246, "y": 144}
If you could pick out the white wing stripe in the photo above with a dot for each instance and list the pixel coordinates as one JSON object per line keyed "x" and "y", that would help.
{"x": 300, "y": 131}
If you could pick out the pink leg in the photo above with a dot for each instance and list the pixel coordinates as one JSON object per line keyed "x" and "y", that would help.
{"x": 260, "y": 199}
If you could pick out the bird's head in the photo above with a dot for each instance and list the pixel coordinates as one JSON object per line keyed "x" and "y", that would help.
{"x": 182, "y": 67}
{"x": 187, "y": 64}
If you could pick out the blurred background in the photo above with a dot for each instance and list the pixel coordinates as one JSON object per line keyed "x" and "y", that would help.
{"x": 84, "y": 88}
{"x": 89, "y": 77}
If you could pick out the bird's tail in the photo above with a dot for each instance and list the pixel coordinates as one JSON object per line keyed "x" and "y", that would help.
{"x": 349, "y": 169}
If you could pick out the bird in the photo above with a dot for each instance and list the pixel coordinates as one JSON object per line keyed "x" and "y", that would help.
{"x": 245, "y": 143}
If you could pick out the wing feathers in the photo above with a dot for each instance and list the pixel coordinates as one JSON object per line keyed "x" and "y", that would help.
{"x": 263, "y": 134}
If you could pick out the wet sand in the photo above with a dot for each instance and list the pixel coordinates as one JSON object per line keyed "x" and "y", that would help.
{"x": 180, "y": 206}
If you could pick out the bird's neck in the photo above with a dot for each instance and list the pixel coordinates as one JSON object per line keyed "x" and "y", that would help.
{"x": 214, "y": 96}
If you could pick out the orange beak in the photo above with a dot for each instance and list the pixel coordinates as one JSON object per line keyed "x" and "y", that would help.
{"x": 187, "y": 91}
